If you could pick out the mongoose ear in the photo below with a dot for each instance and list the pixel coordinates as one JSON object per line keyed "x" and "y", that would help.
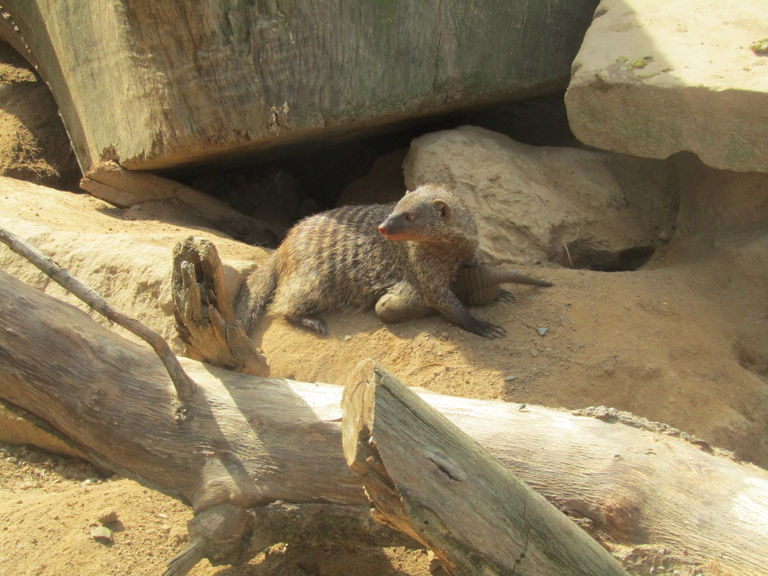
{"x": 444, "y": 208}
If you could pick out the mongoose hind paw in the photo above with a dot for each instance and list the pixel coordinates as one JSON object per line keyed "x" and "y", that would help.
{"x": 311, "y": 322}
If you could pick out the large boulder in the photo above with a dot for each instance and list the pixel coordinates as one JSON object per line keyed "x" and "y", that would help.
{"x": 578, "y": 208}
{"x": 160, "y": 84}
{"x": 655, "y": 77}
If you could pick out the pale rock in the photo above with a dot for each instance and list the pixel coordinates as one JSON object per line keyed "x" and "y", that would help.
{"x": 530, "y": 202}
{"x": 107, "y": 516}
{"x": 656, "y": 77}
{"x": 127, "y": 261}
{"x": 102, "y": 535}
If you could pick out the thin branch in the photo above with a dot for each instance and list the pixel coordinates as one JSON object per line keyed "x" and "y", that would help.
{"x": 185, "y": 386}
{"x": 568, "y": 252}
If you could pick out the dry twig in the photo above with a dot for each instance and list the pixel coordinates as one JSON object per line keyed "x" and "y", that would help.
{"x": 185, "y": 386}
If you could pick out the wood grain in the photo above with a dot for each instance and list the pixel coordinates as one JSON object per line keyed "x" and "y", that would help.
{"x": 430, "y": 480}
{"x": 161, "y": 84}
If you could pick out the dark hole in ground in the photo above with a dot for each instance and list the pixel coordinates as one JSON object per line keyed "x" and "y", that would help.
{"x": 587, "y": 258}
{"x": 629, "y": 259}
{"x": 284, "y": 189}
{"x": 634, "y": 258}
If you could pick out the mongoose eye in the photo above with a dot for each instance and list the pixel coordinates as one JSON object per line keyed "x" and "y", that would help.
{"x": 408, "y": 217}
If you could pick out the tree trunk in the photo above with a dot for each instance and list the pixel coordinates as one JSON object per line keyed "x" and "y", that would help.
{"x": 246, "y": 442}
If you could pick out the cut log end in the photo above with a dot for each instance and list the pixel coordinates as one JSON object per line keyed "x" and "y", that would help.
{"x": 430, "y": 480}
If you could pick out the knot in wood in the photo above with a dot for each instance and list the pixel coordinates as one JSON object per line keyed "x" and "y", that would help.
{"x": 448, "y": 468}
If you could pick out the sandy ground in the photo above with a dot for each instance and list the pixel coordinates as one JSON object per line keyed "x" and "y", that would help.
{"x": 680, "y": 341}
{"x": 50, "y": 504}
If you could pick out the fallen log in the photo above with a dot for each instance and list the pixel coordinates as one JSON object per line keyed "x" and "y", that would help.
{"x": 249, "y": 442}
{"x": 430, "y": 480}
{"x": 185, "y": 388}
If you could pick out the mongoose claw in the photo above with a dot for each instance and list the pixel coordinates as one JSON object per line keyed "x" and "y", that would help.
{"x": 495, "y": 332}
{"x": 311, "y": 322}
{"x": 505, "y": 296}
{"x": 317, "y": 324}
{"x": 488, "y": 330}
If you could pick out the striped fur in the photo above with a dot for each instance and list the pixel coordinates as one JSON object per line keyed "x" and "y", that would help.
{"x": 341, "y": 260}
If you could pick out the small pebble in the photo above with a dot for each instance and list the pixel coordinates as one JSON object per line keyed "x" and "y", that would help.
{"x": 542, "y": 331}
{"x": 107, "y": 516}
{"x": 510, "y": 378}
{"x": 102, "y": 535}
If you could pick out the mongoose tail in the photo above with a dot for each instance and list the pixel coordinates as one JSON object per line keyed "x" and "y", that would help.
{"x": 476, "y": 284}
{"x": 256, "y": 293}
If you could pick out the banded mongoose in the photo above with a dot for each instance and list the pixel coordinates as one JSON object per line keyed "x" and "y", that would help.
{"x": 406, "y": 259}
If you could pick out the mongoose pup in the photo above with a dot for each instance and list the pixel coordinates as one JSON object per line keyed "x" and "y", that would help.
{"x": 406, "y": 259}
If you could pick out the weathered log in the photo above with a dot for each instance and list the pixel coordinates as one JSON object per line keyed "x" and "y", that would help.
{"x": 428, "y": 479}
{"x": 160, "y": 84}
{"x": 252, "y": 441}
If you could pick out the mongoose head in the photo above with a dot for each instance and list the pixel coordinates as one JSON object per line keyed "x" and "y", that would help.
{"x": 421, "y": 216}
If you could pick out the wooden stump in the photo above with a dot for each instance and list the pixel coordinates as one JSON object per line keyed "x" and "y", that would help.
{"x": 205, "y": 318}
{"x": 430, "y": 480}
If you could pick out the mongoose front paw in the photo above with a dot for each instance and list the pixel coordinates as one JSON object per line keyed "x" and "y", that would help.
{"x": 494, "y": 331}
{"x": 488, "y": 330}
{"x": 505, "y": 296}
